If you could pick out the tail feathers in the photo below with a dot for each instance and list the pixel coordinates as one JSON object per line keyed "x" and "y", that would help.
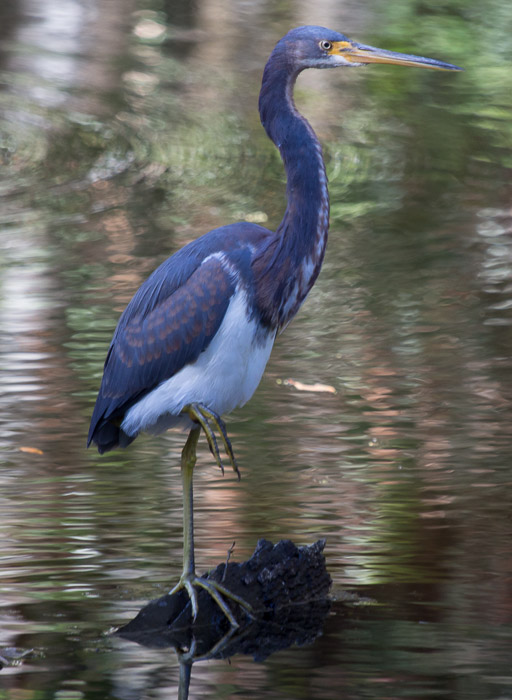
{"x": 108, "y": 436}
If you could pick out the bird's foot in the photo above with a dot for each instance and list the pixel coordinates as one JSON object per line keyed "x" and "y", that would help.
{"x": 190, "y": 582}
{"x": 208, "y": 420}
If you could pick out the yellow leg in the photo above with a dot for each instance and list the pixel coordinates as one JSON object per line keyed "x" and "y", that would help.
{"x": 188, "y": 462}
{"x": 188, "y": 580}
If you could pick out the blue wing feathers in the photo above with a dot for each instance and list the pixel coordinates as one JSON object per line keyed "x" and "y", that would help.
{"x": 171, "y": 319}
{"x": 151, "y": 347}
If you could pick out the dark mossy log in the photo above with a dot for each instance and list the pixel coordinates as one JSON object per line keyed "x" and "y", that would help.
{"x": 286, "y": 586}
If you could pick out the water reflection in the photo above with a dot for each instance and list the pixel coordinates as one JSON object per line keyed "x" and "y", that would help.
{"x": 286, "y": 588}
{"x": 121, "y": 142}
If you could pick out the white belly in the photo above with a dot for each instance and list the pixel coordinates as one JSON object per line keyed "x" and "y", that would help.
{"x": 223, "y": 377}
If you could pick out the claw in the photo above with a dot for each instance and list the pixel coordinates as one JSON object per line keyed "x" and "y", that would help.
{"x": 216, "y": 591}
{"x": 221, "y": 427}
{"x": 193, "y": 598}
{"x": 206, "y": 418}
{"x": 197, "y": 414}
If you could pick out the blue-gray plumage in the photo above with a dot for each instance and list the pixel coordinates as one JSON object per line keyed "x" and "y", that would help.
{"x": 170, "y": 321}
{"x": 194, "y": 341}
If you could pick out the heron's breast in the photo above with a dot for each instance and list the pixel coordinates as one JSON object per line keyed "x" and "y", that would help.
{"x": 224, "y": 376}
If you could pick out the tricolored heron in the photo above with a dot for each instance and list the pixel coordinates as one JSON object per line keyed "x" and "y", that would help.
{"x": 193, "y": 342}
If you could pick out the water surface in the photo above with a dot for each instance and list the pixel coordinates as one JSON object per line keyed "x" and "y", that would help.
{"x": 383, "y": 420}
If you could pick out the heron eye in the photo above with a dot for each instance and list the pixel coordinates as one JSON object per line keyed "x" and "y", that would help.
{"x": 326, "y": 45}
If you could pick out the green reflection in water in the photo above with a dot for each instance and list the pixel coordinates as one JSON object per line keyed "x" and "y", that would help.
{"x": 405, "y": 469}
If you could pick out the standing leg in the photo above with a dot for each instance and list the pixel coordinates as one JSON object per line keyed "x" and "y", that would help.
{"x": 188, "y": 578}
{"x": 188, "y": 462}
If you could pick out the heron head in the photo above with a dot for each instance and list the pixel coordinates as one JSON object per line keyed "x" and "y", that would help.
{"x": 318, "y": 47}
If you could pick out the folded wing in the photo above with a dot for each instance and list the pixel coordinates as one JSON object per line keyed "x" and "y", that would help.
{"x": 165, "y": 327}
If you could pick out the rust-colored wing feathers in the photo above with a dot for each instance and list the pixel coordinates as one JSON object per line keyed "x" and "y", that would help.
{"x": 150, "y": 346}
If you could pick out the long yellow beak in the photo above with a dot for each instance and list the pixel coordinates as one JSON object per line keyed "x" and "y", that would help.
{"x": 362, "y": 54}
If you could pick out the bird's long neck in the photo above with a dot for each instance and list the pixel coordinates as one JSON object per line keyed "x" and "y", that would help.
{"x": 289, "y": 265}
